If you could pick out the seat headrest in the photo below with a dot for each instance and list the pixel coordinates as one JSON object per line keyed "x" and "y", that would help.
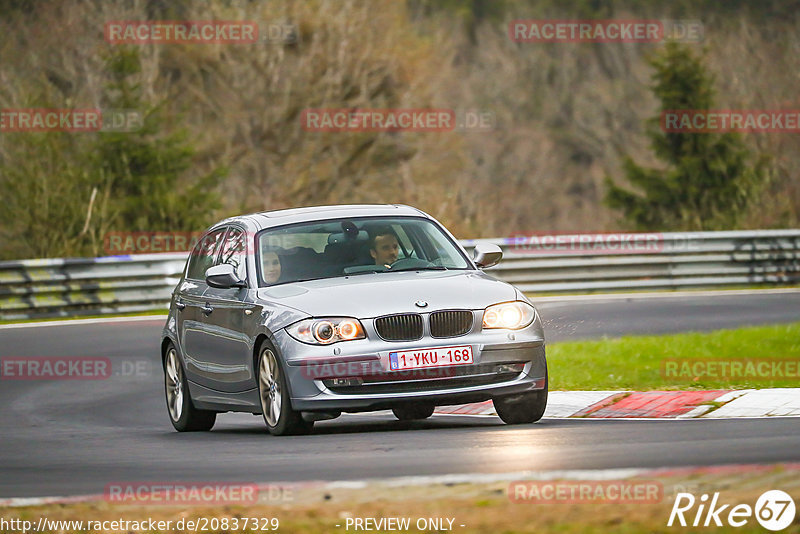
{"x": 341, "y": 237}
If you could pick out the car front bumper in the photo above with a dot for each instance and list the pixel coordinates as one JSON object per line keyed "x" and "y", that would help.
{"x": 354, "y": 376}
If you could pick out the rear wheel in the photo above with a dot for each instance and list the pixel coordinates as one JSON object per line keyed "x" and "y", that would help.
{"x": 412, "y": 412}
{"x": 274, "y": 395}
{"x": 183, "y": 415}
{"x": 522, "y": 408}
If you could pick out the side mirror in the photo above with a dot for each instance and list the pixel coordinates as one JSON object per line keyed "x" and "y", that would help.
{"x": 486, "y": 255}
{"x": 223, "y": 277}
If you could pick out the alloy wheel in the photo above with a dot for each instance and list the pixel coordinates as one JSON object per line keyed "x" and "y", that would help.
{"x": 270, "y": 387}
{"x": 174, "y": 378}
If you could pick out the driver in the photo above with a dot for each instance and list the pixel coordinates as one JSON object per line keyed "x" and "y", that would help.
{"x": 384, "y": 247}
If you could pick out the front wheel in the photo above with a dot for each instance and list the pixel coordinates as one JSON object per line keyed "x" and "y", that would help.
{"x": 274, "y": 395}
{"x": 183, "y": 415}
{"x": 522, "y": 408}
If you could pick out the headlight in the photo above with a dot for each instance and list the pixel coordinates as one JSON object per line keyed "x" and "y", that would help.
{"x": 511, "y": 315}
{"x": 326, "y": 331}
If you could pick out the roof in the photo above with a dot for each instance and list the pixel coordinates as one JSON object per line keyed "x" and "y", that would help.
{"x": 293, "y": 215}
{"x": 267, "y": 219}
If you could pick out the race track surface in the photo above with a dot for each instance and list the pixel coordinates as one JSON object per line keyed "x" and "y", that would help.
{"x": 75, "y": 437}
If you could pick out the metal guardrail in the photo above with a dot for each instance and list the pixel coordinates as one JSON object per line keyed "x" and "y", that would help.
{"x": 88, "y": 286}
{"x": 537, "y": 264}
{"x": 666, "y": 261}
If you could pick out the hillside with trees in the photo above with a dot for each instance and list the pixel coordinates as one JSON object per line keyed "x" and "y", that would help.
{"x": 572, "y": 123}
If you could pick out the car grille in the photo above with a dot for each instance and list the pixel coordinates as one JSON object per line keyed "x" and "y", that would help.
{"x": 450, "y": 323}
{"x": 404, "y": 327}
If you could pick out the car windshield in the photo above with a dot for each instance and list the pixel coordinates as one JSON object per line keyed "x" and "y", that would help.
{"x": 368, "y": 246}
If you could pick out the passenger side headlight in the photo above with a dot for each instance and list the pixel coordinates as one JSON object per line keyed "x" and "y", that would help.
{"x": 327, "y": 330}
{"x": 510, "y": 315}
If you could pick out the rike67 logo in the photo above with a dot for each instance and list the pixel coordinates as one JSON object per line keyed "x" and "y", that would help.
{"x": 774, "y": 510}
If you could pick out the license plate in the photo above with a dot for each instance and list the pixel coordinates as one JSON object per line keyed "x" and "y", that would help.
{"x": 435, "y": 357}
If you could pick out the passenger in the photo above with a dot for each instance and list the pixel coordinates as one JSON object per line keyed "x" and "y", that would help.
{"x": 383, "y": 246}
{"x": 270, "y": 266}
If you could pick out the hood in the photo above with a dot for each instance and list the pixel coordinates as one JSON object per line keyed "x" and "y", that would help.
{"x": 375, "y": 294}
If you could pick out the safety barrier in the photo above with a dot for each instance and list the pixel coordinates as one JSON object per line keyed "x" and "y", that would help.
{"x": 537, "y": 264}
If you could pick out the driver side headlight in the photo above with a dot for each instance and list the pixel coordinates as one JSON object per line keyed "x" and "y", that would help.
{"x": 510, "y": 315}
{"x": 326, "y": 330}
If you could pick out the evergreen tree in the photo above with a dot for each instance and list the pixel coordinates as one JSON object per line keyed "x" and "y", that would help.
{"x": 148, "y": 173}
{"x": 708, "y": 181}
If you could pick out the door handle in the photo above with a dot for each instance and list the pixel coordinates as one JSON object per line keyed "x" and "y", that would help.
{"x": 207, "y": 309}
{"x": 180, "y": 304}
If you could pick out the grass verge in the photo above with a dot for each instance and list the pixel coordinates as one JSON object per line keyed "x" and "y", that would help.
{"x": 667, "y": 362}
{"x": 473, "y": 507}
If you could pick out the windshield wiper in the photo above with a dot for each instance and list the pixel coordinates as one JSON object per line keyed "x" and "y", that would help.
{"x": 294, "y": 282}
{"x": 431, "y": 268}
{"x": 356, "y": 273}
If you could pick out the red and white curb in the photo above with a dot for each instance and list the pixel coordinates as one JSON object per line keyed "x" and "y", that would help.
{"x": 658, "y": 404}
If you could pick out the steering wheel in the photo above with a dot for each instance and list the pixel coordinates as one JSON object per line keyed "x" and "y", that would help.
{"x": 409, "y": 263}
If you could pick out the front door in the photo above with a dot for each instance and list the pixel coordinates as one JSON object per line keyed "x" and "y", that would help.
{"x": 192, "y": 307}
{"x": 229, "y": 318}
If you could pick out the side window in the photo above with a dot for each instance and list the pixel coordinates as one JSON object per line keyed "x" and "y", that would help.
{"x": 204, "y": 254}
{"x": 234, "y": 252}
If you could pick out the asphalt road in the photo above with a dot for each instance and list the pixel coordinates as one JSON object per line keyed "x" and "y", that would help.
{"x": 75, "y": 437}
{"x": 664, "y": 314}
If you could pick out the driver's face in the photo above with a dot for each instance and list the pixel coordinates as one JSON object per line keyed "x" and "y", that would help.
{"x": 386, "y": 250}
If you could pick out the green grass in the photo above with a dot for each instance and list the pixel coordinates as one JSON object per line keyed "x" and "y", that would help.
{"x": 482, "y": 507}
{"x": 638, "y": 362}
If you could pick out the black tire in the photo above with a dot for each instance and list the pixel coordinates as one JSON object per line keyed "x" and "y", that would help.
{"x": 413, "y": 412}
{"x": 182, "y": 413}
{"x": 522, "y": 408}
{"x": 276, "y": 404}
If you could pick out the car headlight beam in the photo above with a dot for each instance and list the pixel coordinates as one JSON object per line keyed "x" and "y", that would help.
{"x": 509, "y": 315}
{"x": 325, "y": 331}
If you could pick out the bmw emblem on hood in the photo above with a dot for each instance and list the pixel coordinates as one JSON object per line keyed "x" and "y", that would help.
{"x": 421, "y": 304}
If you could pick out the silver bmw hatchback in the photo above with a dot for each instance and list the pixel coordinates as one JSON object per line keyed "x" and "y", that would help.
{"x": 299, "y": 315}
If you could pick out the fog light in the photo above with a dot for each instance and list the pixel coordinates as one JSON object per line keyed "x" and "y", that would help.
{"x": 510, "y": 368}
